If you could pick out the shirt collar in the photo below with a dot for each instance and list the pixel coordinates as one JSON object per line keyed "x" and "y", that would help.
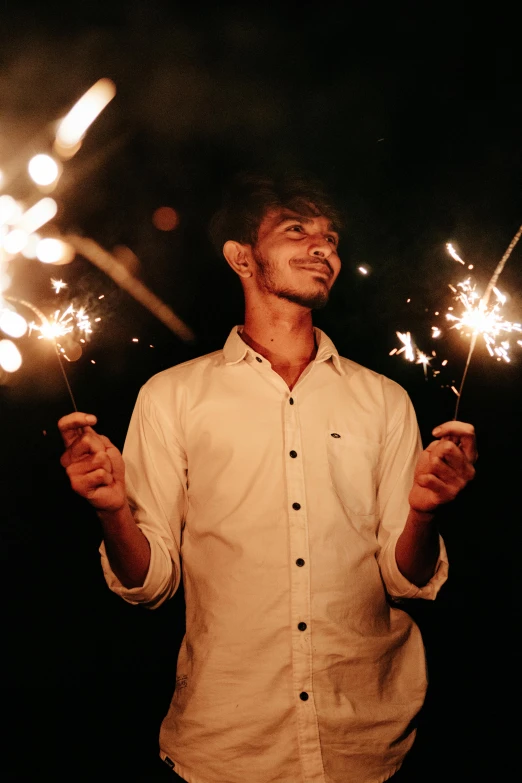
{"x": 235, "y": 349}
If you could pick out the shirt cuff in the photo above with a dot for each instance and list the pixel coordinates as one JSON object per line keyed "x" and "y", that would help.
{"x": 160, "y": 583}
{"x": 399, "y": 587}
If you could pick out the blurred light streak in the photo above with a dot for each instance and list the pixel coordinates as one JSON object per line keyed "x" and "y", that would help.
{"x": 37, "y": 215}
{"x": 10, "y": 210}
{"x": 74, "y": 125}
{"x": 453, "y": 253}
{"x": 15, "y": 241}
{"x": 117, "y": 272}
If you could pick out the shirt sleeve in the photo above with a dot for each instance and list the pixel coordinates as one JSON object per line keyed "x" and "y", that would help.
{"x": 396, "y": 469}
{"x": 156, "y": 482}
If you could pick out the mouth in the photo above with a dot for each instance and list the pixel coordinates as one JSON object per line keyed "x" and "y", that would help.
{"x": 318, "y": 269}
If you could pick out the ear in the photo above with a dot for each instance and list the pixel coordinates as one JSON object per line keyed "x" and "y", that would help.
{"x": 238, "y": 256}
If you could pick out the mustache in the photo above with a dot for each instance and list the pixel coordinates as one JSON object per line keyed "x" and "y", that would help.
{"x": 308, "y": 262}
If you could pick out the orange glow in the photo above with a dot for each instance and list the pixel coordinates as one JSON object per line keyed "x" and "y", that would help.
{"x": 165, "y": 219}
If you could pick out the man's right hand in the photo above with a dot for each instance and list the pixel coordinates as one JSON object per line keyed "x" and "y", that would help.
{"x": 95, "y": 467}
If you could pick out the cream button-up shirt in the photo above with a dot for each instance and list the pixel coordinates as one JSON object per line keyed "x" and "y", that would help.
{"x": 280, "y": 510}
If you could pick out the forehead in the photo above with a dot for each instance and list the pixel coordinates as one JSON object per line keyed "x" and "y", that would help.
{"x": 276, "y": 217}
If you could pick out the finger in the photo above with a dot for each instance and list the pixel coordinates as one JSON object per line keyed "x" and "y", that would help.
{"x": 101, "y": 460}
{"x": 85, "y": 483}
{"x": 89, "y": 443}
{"x": 87, "y": 449}
{"x": 442, "y": 470}
{"x": 83, "y": 467}
{"x": 450, "y": 454}
{"x": 462, "y": 434}
{"x": 442, "y": 492}
{"x": 83, "y": 445}
{"x": 71, "y": 425}
{"x": 432, "y": 482}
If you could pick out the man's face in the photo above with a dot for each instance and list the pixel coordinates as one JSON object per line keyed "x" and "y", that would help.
{"x": 296, "y": 257}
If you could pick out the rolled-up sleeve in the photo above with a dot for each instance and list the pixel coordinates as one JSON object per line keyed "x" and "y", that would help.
{"x": 396, "y": 470}
{"x": 156, "y": 481}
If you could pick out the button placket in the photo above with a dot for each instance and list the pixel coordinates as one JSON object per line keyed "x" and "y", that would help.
{"x": 300, "y": 588}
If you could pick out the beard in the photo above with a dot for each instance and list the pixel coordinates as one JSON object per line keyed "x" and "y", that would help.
{"x": 315, "y": 298}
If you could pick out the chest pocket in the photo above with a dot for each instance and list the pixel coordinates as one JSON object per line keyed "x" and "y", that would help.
{"x": 353, "y": 463}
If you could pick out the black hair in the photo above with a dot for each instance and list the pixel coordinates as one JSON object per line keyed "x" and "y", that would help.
{"x": 250, "y": 196}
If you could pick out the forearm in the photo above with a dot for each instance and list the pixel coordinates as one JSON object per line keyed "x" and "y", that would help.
{"x": 418, "y": 548}
{"x": 126, "y": 546}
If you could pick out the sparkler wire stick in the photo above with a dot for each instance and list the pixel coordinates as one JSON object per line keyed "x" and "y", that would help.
{"x": 45, "y": 321}
{"x": 484, "y": 302}
{"x": 117, "y": 271}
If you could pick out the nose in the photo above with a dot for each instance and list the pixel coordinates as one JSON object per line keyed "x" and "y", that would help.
{"x": 320, "y": 247}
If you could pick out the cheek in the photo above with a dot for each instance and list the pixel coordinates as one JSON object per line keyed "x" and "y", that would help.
{"x": 336, "y": 266}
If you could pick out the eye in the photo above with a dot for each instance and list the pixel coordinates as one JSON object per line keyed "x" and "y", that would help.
{"x": 297, "y": 227}
{"x": 333, "y": 240}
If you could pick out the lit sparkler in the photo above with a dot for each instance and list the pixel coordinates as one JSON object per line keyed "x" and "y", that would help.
{"x": 18, "y": 226}
{"x": 481, "y": 318}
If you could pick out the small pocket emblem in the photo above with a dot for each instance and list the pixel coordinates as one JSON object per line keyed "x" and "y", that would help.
{"x": 335, "y": 435}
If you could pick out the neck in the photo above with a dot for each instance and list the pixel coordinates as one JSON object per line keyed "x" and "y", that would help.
{"x": 286, "y": 340}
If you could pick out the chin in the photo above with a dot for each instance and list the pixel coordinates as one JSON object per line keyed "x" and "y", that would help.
{"x": 314, "y": 301}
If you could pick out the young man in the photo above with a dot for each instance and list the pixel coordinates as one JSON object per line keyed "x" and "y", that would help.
{"x": 286, "y": 485}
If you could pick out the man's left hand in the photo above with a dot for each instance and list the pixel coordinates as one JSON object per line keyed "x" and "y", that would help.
{"x": 444, "y": 467}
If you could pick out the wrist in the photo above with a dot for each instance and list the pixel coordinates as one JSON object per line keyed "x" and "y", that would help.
{"x": 421, "y": 516}
{"x": 114, "y": 516}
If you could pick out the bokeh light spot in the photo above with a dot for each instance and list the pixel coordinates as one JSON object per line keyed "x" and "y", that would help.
{"x": 165, "y": 219}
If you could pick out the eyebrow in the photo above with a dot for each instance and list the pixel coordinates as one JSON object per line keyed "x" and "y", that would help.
{"x": 286, "y": 216}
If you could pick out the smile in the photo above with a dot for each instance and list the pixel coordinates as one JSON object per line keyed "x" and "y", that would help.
{"x": 318, "y": 270}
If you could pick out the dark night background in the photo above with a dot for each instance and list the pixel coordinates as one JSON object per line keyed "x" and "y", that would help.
{"x": 412, "y": 115}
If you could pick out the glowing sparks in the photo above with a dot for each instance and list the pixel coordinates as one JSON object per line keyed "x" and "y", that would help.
{"x": 478, "y": 318}
{"x": 424, "y": 360}
{"x": 62, "y": 323}
{"x": 453, "y": 253}
{"x": 411, "y": 352}
{"x": 473, "y": 317}
{"x": 58, "y": 285}
{"x": 407, "y": 346}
